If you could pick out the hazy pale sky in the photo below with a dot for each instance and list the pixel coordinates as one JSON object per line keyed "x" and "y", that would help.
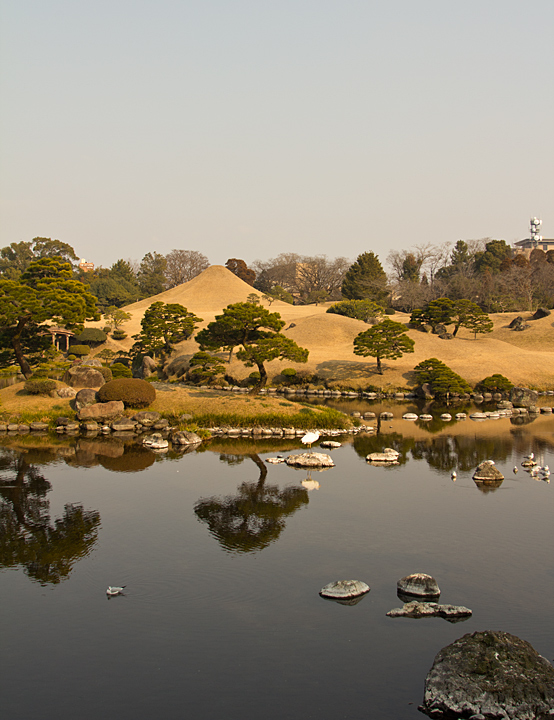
{"x": 246, "y": 128}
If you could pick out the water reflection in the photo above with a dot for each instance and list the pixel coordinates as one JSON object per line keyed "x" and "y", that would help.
{"x": 253, "y": 518}
{"x": 28, "y": 538}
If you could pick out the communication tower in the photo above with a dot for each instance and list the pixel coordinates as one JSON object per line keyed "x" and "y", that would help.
{"x": 536, "y": 237}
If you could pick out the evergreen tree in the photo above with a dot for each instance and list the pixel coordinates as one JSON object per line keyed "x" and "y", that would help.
{"x": 365, "y": 280}
{"x": 163, "y": 326}
{"x": 387, "y": 339}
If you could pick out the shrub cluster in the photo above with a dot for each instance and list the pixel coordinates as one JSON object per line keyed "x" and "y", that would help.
{"x": 442, "y": 379}
{"x": 119, "y": 334}
{"x": 79, "y": 350}
{"x": 365, "y": 310}
{"x": 92, "y": 336}
{"x": 40, "y": 386}
{"x": 105, "y": 372}
{"x": 119, "y": 370}
{"x": 133, "y": 392}
{"x": 495, "y": 383}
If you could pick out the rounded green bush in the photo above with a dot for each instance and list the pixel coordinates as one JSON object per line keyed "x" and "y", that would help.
{"x": 288, "y": 372}
{"x": 92, "y": 335}
{"x": 40, "y": 386}
{"x": 106, "y": 373}
{"x": 495, "y": 383}
{"x": 107, "y": 329}
{"x": 79, "y": 350}
{"x": 72, "y": 357}
{"x": 120, "y": 370}
{"x": 119, "y": 334}
{"x": 133, "y": 392}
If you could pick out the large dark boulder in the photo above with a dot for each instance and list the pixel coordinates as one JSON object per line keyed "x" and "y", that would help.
{"x": 490, "y": 674}
{"x": 523, "y": 397}
{"x": 102, "y": 411}
{"x": 83, "y": 376}
{"x": 85, "y": 397}
{"x": 178, "y": 366}
{"x": 540, "y": 313}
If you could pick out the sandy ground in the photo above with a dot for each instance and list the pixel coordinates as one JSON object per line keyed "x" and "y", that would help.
{"x": 526, "y": 358}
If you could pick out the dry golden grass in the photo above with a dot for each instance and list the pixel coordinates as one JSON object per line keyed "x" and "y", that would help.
{"x": 526, "y": 358}
{"x": 15, "y": 402}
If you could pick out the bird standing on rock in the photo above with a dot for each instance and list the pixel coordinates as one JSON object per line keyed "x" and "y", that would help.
{"x": 310, "y": 437}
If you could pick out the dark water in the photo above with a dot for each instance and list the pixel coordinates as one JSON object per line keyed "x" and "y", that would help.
{"x": 223, "y": 557}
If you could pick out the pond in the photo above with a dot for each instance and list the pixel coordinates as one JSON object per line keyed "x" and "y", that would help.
{"x": 223, "y": 556}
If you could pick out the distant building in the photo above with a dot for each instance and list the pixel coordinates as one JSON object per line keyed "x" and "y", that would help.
{"x": 534, "y": 242}
{"x": 86, "y": 266}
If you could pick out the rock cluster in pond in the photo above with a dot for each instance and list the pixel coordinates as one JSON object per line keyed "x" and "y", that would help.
{"x": 487, "y": 471}
{"x": 492, "y": 675}
{"x": 345, "y": 591}
{"x": 418, "y": 609}
{"x": 330, "y": 444}
{"x": 310, "y": 460}
{"x": 418, "y": 585}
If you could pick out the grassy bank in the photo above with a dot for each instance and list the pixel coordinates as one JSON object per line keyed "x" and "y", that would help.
{"x": 207, "y": 409}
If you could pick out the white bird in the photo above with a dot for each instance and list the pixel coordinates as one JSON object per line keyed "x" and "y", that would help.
{"x": 310, "y": 437}
{"x": 531, "y": 456}
{"x": 545, "y": 471}
{"x": 516, "y": 470}
{"x": 454, "y": 475}
{"x": 115, "y": 590}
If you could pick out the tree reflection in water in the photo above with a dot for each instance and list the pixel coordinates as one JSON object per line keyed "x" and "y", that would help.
{"x": 253, "y": 518}
{"x": 28, "y": 538}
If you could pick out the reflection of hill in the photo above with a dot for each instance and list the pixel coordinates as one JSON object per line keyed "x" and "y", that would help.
{"x": 254, "y": 517}
{"x": 365, "y": 444}
{"x": 27, "y": 536}
{"x": 463, "y": 452}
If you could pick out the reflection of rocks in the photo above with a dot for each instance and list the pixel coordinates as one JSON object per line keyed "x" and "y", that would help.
{"x": 345, "y": 590}
{"x": 489, "y": 674}
{"x": 310, "y": 460}
{"x": 418, "y": 584}
{"x": 417, "y": 609}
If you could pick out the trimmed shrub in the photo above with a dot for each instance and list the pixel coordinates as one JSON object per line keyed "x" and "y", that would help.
{"x": 72, "y": 357}
{"x": 107, "y": 329}
{"x": 39, "y": 386}
{"x": 442, "y": 379}
{"x": 390, "y": 311}
{"x": 92, "y": 336}
{"x": 120, "y": 370}
{"x": 133, "y": 392}
{"x": 79, "y": 350}
{"x": 495, "y": 383}
{"x": 365, "y": 310}
{"x": 288, "y": 372}
{"x": 119, "y": 334}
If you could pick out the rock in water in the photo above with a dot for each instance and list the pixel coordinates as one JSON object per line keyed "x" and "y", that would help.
{"x": 344, "y": 589}
{"x": 487, "y": 471}
{"x": 494, "y": 674}
{"x": 310, "y": 459}
{"x": 417, "y": 609}
{"x": 418, "y": 584}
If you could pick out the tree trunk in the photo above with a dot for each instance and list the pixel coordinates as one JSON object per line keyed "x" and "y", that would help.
{"x": 379, "y": 368}
{"x": 16, "y": 344}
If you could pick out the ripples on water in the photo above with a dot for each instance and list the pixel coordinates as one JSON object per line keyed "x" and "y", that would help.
{"x": 223, "y": 556}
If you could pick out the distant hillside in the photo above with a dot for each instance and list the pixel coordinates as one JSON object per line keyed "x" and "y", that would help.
{"x": 526, "y": 357}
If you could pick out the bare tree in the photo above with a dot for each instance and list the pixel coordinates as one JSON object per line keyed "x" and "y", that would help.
{"x": 307, "y": 278}
{"x": 183, "y": 265}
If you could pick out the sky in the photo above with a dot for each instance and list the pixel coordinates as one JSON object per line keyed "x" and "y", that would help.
{"x": 247, "y": 128}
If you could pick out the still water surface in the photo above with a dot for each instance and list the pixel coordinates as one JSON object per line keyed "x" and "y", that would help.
{"x": 223, "y": 557}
